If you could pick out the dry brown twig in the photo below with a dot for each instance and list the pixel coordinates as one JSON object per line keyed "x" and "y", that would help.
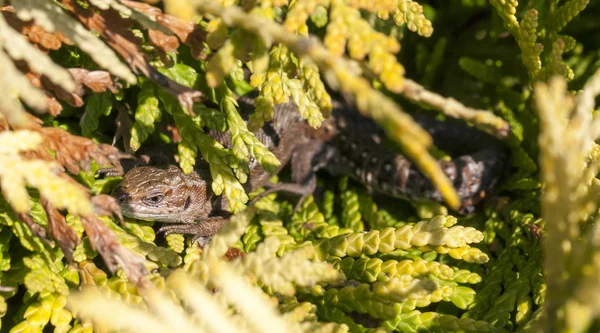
{"x": 115, "y": 255}
{"x": 64, "y": 235}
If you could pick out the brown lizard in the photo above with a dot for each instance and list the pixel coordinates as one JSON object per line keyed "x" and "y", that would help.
{"x": 345, "y": 144}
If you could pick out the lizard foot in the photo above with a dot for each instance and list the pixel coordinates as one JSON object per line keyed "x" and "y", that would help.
{"x": 176, "y": 229}
{"x": 304, "y": 190}
{"x": 203, "y": 230}
{"x": 186, "y": 229}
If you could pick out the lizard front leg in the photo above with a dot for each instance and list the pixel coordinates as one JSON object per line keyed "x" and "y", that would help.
{"x": 203, "y": 230}
{"x": 304, "y": 180}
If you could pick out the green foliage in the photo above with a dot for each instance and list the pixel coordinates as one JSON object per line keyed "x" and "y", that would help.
{"x": 482, "y": 273}
{"x": 243, "y": 142}
{"x": 97, "y": 105}
{"x": 146, "y": 114}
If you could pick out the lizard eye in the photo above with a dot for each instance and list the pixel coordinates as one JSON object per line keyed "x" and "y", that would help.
{"x": 155, "y": 199}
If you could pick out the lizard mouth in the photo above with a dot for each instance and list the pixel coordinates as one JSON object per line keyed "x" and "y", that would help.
{"x": 139, "y": 213}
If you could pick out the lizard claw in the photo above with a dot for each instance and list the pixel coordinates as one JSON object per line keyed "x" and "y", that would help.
{"x": 304, "y": 190}
{"x": 201, "y": 240}
{"x": 299, "y": 203}
{"x": 172, "y": 229}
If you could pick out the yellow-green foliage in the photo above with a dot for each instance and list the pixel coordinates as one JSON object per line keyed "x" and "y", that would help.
{"x": 527, "y": 260}
{"x": 16, "y": 173}
{"x": 569, "y": 164}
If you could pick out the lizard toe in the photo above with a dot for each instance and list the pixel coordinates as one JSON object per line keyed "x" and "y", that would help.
{"x": 299, "y": 203}
{"x": 173, "y": 229}
{"x": 202, "y": 241}
{"x": 108, "y": 172}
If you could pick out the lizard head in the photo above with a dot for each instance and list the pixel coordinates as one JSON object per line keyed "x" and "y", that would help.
{"x": 163, "y": 194}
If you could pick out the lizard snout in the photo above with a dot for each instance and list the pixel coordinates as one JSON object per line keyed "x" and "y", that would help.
{"x": 121, "y": 196}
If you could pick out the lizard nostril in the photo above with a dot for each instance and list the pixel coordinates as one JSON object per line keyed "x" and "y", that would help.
{"x": 122, "y": 197}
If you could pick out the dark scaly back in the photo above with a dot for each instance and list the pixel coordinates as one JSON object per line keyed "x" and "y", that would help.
{"x": 349, "y": 144}
{"x": 356, "y": 146}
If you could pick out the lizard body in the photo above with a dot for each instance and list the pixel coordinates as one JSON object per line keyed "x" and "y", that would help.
{"x": 345, "y": 144}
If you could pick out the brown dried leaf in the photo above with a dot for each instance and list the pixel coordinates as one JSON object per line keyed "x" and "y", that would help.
{"x": 124, "y": 125}
{"x": 104, "y": 241}
{"x": 162, "y": 41}
{"x": 144, "y": 8}
{"x": 99, "y": 81}
{"x": 106, "y": 205}
{"x": 189, "y": 33}
{"x": 35, "y": 228}
{"x": 178, "y": 26}
{"x": 173, "y": 133}
{"x": 3, "y": 124}
{"x": 54, "y": 107}
{"x": 41, "y": 82}
{"x": 74, "y": 152}
{"x": 186, "y": 98}
{"x": 114, "y": 29}
{"x": 59, "y": 230}
{"x": 35, "y": 79}
{"x": 74, "y": 98}
{"x": 38, "y": 36}
{"x": 78, "y": 75}
{"x": 43, "y": 40}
